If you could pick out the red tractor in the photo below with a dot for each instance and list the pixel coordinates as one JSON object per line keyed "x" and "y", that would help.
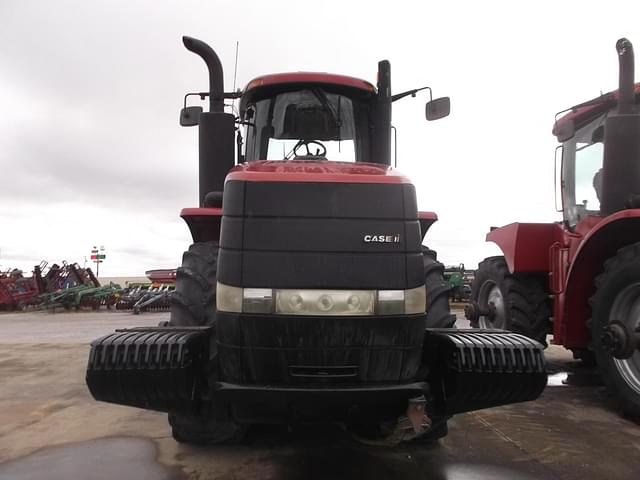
{"x": 307, "y": 294}
{"x": 579, "y": 279}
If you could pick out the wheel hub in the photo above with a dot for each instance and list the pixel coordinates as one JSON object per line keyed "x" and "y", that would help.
{"x": 490, "y": 311}
{"x": 619, "y": 340}
{"x": 473, "y": 311}
{"x": 621, "y": 336}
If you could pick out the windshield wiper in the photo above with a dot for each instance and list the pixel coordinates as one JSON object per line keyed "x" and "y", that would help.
{"x": 322, "y": 97}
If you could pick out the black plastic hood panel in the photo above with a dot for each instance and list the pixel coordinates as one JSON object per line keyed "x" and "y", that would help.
{"x": 320, "y": 235}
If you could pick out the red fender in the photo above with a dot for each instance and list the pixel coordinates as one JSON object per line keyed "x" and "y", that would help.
{"x": 203, "y": 223}
{"x": 600, "y": 243}
{"x": 526, "y": 245}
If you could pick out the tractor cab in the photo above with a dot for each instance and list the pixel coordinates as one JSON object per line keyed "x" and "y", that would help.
{"x": 301, "y": 116}
{"x": 600, "y": 172}
{"x": 307, "y": 116}
{"x": 321, "y": 116}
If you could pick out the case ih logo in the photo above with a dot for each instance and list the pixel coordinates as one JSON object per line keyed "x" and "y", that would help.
{"x": 381, "y": 238}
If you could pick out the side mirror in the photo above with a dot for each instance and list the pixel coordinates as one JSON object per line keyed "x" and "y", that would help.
{"x": 190, "y": 116}
{"x": 438, "y": 108}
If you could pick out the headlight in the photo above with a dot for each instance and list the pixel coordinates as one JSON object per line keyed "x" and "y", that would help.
{"x": 325, "y": 302}
{"x": 320, "y": 302}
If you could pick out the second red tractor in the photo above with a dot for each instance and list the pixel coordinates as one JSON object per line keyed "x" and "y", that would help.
{"x": 579, "y": 279}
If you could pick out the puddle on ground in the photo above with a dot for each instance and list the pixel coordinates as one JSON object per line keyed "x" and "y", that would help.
{"x": 377, "y": 464}
{"x": 474, "y": 471}
{"x": 101, "y": 459}
{"x": 557, "y": 379}
{"x": 575, "y": 379}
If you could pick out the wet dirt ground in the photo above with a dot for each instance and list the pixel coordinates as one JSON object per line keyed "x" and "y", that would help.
{"x": 50, "y": 428}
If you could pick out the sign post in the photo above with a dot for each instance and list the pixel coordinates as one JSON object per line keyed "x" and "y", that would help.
{"x": 97, "y": 256}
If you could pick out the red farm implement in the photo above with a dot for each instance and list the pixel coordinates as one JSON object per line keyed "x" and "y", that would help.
{"x": 16, "y": 290}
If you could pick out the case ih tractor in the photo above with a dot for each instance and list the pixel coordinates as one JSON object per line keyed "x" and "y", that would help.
{"x": 307, "y": 295}
{"x": 580, "y": 278}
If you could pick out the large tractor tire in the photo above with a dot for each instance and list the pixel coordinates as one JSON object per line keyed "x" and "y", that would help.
{"x": 617, "y": 297}
{"x": 438, "y": 316}
{"x": 194, "y": 304}
{"x": 518, "y": 302}
{"x": 205, "y": 429}
{"x": 438, "y": 310}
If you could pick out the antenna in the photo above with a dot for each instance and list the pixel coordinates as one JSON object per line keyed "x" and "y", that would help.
{"x": 235, "y": 72}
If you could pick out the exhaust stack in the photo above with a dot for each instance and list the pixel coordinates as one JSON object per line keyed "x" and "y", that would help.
{"x": 621, "y": 162}
{"x": 215, "y": 130}
{"x": 626, "y": 87}
{"x": 216, "y": 75}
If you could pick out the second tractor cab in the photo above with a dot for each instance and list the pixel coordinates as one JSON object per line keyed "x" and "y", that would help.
{"x": 307, "y": 294}
{"x": 579, "y": 279}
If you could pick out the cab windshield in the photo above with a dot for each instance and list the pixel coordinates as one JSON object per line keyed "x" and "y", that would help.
{"x": 307, "y": 124}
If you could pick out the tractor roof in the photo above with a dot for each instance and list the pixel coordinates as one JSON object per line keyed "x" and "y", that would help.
{"x": 582, "y": 114}
{"x": 278, "y": 82}
{"x": 278, "y": 79}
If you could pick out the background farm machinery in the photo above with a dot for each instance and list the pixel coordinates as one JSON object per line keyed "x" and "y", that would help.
{"x": 154, "y": 296}
{"x": 143, "y": 297}
{"x": 459, "y": 282}
{"x": 15, "y": 289}
{"x": 69, "y": 286}
{"x": 64, "y": 286}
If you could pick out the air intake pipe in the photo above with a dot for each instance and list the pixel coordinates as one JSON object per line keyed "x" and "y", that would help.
{"x": 621, "y": 163}
{"x": 216, "y": 128}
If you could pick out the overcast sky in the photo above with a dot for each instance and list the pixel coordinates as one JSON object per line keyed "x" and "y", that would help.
{"x": 91, "y": 152}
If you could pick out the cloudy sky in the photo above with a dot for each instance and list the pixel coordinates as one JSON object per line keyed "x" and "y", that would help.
{"x": 91, "y": 152}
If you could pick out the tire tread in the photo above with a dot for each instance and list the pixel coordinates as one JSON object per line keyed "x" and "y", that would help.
{"x": 194, "y": 304}
{"x": 438, "y": 310}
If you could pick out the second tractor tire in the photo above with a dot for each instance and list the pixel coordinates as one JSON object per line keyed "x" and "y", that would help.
{"x": 617, "y": 297}
{"x": 520, "y": 300}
